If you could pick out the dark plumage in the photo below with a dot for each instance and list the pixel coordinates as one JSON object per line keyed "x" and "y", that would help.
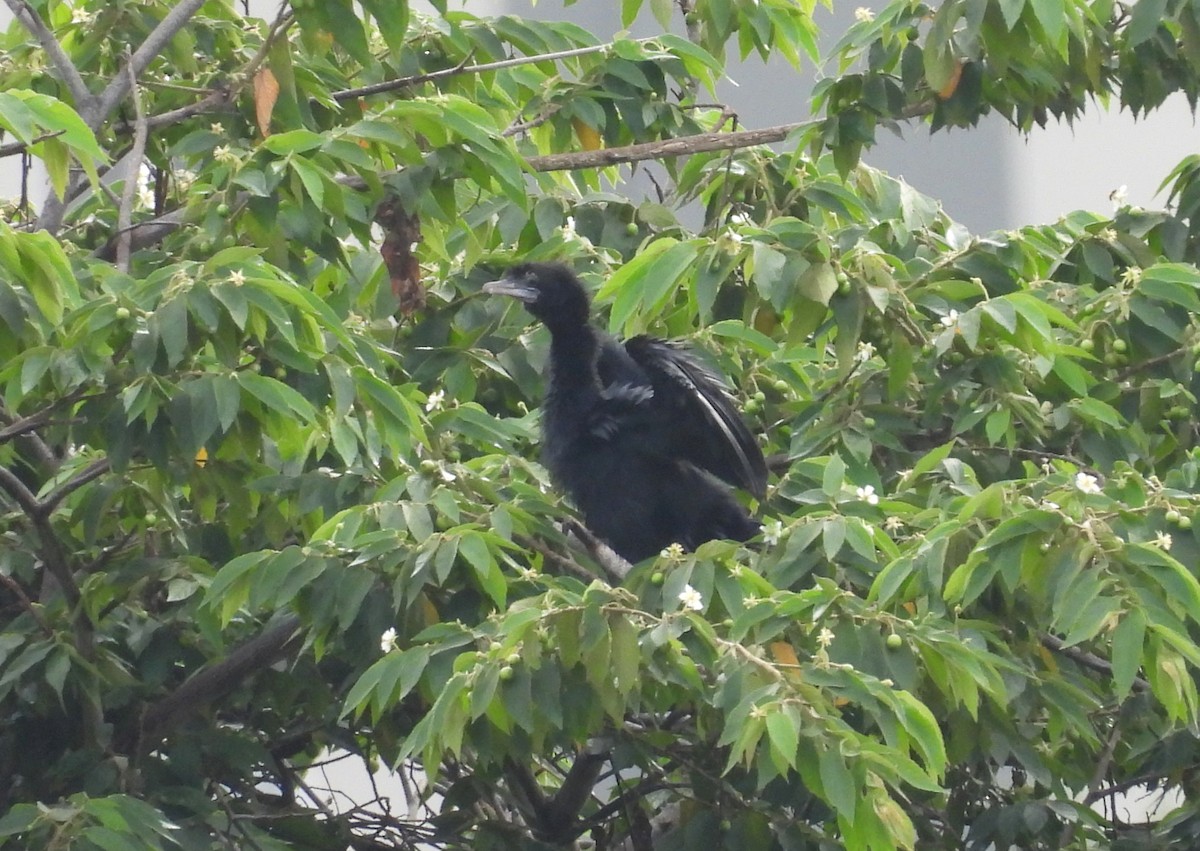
{"x": 636, "y": 434}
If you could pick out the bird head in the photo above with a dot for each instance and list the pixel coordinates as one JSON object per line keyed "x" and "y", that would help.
{"x": 550, "y": 291}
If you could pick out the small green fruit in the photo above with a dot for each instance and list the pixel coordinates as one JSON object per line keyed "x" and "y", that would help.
{"x": 781, "y": 386}
{"x": 1185, "y": 522}
{"x": 656, "y": 578}
{"x": 429, "y": 466}
{"x": 894, "y": 641}
{"x": 507, "y": 673}
{"x": 513, "y": 658}
{"x": 122, "y": 312}
{"x": 1088, "y": 345}
{"x": 868, "y": 422}
{"x": 1173, "y": 516}
{"x": 1120, "y": 346}
{"x": 631, "y": 229}
{"x": 222, "y": 209}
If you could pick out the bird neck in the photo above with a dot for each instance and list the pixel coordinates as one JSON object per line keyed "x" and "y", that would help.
{"x": 573, "y": 353}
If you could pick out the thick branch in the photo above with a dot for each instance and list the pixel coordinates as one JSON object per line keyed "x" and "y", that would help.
{"x": 116, "y": 90}
{"x": 16, "y": 489}
{"x": 203, "y": 687}
{"x": 563, "y": 809}
{"x": 62, "y": 63}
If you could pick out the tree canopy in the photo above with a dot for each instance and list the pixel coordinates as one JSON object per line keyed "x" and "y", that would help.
{"x": 268, "y": 476}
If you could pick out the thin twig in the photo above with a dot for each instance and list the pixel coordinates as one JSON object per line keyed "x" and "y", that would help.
{"x": 89, "y": 473}
{"x": 62, "y": 63}
{"x": 19, "y": 592}
{"x": 13, "y": 148}
{"x": 132, "y": 171}
{"x": 463, "y": 68}
{"x": 666, "y": 149}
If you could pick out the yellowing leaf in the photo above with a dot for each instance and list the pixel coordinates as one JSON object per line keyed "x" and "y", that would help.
{"x": 266, "y": 92}
{"x": 589, "y": 136}
{"x": 201, "y": 457}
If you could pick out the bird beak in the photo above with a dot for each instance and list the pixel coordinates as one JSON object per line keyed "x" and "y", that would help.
{"x": 516, "y": 289}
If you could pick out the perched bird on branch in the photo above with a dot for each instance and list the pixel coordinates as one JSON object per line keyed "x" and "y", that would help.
{"x": 638, "y": 434}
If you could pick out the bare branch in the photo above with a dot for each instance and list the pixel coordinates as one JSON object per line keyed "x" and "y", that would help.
{"x": 133, "y": 167}
{"x": 62, "y": 63}
{"x": 665, "y": 149}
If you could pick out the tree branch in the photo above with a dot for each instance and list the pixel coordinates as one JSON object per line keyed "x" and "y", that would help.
{"x": 158, "y": 38}
{"x": 463, "y": 68}
{"x": 62, "y": 63}
{"x": 89, "y": 473}
{"x": 14, "y": 148}
{"x": 134, "y": 160}
{"x": 205, "y": 686}
{"x": 1088, "y": 660}
{"x": 665, "y": 149}
{"x": 20, "y": 494}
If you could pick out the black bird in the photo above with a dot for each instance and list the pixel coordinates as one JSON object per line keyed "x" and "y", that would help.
{"x": 636, "y": 434}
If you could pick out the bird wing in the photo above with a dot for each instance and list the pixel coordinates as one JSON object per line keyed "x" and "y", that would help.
{"x": 698, "y": 415}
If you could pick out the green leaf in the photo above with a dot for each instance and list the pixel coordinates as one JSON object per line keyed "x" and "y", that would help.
{"x": 783, "y": 732}
{"x": 1127, "y": 649}
{"x": 838, "y": 786}
{"x": 1144, "y": 20}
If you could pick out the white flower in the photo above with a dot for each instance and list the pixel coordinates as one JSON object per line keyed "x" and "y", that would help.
{"x": 866, "y": 351}
{"x": 863, "y": 15}
{"x": 387, "y": 641}
{"x": 1047, "y": 505}
{"x": 893, "y": 524}
{"x": 1087, "y": 483}
{"x": 739, "y": 219}
{"x": 568, "y": 230}
{"x": 237, "y": 277}
{"x": 1163, "y": 539}
{"x": 1131, "y": 276}
{"x": 1118, "y": 196}
{"x": 690, "y": 598}
{"x": 867, "y": 494}
{"x": 950, "y": 319}
{"x": 224, "y": 154}
{"x": 771, "y": 533}
{"x": 82, "y": 16}
{"x": 825, "y": 637}
{"x": 734, "y": 237}
{"x": 434, "y": 401}
{"x": 218, "y": 128}
{"x": 673, "y": 551}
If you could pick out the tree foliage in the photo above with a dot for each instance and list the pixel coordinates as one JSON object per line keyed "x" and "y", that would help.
{"x": 256, "y": 415}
